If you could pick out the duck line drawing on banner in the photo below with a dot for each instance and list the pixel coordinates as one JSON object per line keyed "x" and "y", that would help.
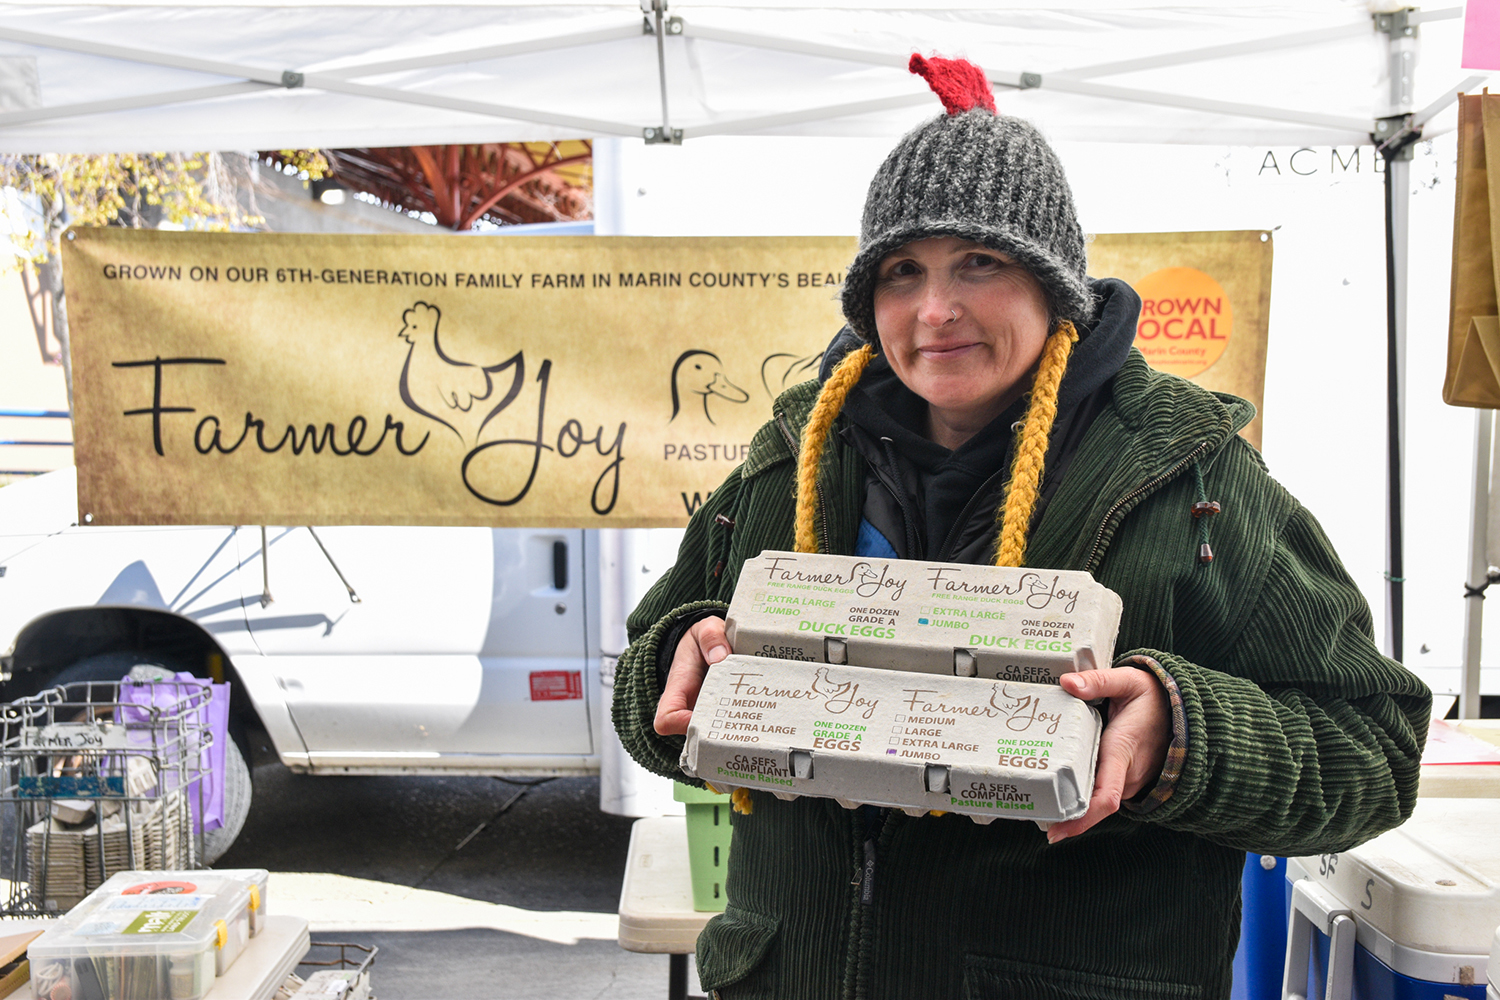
{"x": 701, "y": 373}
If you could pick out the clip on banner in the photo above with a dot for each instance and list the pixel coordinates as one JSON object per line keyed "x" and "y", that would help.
{"x": 1473, "y": 376}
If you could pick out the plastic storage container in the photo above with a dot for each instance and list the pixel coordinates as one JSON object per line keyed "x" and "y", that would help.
{"x": 708, "y": 834}
{"x": 1410, "y": 915}
{"x": 235, "y": 886}
{"x": 259, "y": 881}
{"x": 145, "y": 936}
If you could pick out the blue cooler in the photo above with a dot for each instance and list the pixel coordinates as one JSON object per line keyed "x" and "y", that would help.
{"x": 1261, "y": 956}
{"x": 1411, "y": 915}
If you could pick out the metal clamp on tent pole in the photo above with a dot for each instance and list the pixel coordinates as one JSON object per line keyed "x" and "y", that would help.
{"x": 673, "y": 25}
{"x": 1395, "y": 136}
{"x": 291, "y": 79}
{"x": 1398, "y": 23}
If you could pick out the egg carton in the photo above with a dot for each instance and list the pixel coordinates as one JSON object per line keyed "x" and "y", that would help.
{"x": 988, "y": 749}
{"x": 995, "y": 623}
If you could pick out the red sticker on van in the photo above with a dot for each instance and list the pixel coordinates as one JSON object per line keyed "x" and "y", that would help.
{"x": 556, "y": 685}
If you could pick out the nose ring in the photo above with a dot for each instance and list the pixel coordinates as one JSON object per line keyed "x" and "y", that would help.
{"x": 955, "y": 315}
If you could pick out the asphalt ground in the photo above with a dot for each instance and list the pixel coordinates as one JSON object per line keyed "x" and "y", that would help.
{"x": 540, "y": 846}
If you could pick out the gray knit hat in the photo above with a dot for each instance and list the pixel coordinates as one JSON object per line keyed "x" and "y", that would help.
{"x": 979, "y": 176}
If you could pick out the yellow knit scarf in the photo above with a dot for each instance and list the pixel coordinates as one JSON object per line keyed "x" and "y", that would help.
{"x": 1021, "y": 495}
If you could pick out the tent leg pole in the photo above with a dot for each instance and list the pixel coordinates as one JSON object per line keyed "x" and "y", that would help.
{"x": 1393, "y": 137}
{"x": 1479, "y": 517}
{"x": 1397, "y": 210}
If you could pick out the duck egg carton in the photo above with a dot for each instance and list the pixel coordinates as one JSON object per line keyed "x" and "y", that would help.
{"x": 995, "y": 623}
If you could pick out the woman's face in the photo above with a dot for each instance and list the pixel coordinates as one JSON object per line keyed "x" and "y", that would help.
{"x": 962, "y": 327}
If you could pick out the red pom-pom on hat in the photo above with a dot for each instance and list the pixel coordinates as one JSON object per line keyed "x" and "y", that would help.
{"x": 960, "y": 84}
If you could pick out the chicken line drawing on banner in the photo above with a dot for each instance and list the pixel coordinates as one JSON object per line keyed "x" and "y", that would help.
{"x": 780, "y": 371}
{"x": 432, "y": 380}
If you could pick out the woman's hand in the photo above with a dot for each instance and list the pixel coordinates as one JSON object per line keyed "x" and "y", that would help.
{"x": 702, "y": 645}
{"x": 1133, "y": 747}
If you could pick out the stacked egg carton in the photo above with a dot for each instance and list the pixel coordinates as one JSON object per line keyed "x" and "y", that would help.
{"x": 166, "y": 832}
{"x": 55, "y": 863}
{"x": 906, "y": 684}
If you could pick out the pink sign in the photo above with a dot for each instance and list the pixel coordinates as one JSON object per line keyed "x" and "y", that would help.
{"x": 1447, "y": 745}
{"x": 1482, "y": 34}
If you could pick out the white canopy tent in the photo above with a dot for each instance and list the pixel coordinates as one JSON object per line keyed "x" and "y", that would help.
{"x": 214, "y": 75}
{"x": 206, "y": 75}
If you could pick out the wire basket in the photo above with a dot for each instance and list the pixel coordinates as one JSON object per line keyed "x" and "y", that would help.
{"x": 94, "y": 780}
{"x": 333, "y": 973}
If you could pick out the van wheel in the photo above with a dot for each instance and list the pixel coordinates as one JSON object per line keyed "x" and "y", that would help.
{"x": 237, "y": 784}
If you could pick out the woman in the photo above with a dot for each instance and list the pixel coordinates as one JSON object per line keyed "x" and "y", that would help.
{"x": 984, "y": 404}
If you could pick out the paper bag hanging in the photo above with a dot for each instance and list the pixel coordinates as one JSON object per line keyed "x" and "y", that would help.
{"x": 1473, "y": 375}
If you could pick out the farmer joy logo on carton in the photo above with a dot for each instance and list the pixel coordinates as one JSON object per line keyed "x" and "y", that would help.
{"x": 862, "y": 577}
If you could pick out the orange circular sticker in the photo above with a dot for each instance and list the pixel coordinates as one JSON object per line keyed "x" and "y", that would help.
{"x": 154, "y": 888}
{"x": 1185, "y": 320}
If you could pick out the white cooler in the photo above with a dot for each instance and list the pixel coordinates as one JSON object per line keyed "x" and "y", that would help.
{"x": 1411, "y": 915}
{"x": 1493, "y": 992}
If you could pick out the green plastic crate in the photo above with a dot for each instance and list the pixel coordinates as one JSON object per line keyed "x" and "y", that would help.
{"x": 708, "y": 843}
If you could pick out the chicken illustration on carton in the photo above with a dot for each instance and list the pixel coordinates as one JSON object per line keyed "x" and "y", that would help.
{"x": 1001, "y": 623}
{"x": 986, "y": 748}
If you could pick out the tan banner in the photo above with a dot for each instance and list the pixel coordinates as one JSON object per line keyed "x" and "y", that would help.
{"x": 1205, "y": 305}
{"x": 562, "y": 381}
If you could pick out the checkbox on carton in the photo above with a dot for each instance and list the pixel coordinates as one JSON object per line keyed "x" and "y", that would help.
{"x": 721, "y": 713}
{"x": 895, "y": 741}
{"x": 900, "y": 718}
{"x": 896, "y": 730}
{"x": 718, "y": 724}
{"x": 726, "y": 701}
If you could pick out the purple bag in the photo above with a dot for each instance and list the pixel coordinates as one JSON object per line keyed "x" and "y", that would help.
{"x": 214, "y": 716}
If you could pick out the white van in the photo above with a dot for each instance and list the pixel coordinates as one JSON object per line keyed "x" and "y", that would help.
{"x": 373, "y": 650}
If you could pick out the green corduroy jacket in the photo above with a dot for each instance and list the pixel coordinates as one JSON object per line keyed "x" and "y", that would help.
{"x": 1301, "y": 737}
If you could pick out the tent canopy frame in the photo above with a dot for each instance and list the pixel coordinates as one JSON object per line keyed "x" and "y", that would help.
{"x": 1077, "y": 81}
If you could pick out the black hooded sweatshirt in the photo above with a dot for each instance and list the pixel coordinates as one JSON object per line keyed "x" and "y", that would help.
{"x": 932, "y": 503}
